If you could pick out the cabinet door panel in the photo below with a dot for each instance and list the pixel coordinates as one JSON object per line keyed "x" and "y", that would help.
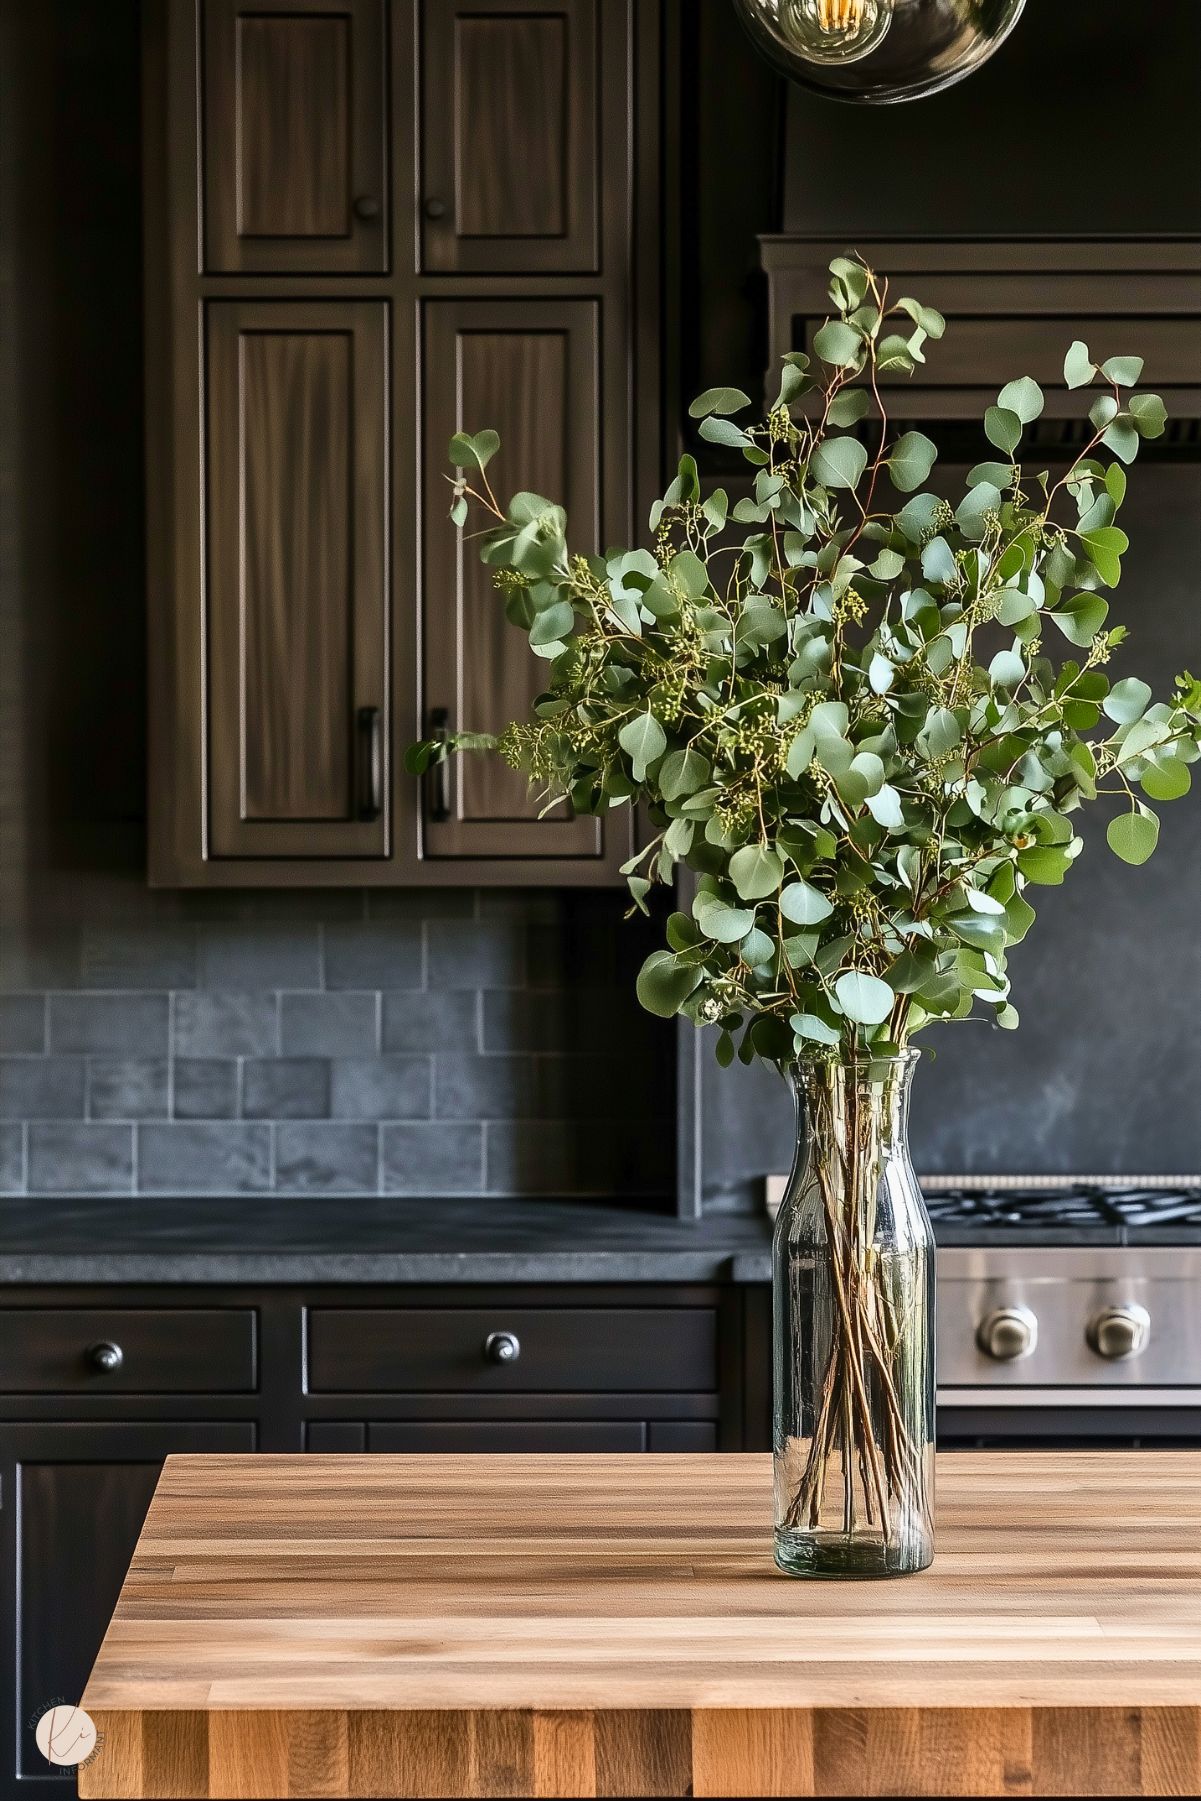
{"x": 530, "y": 370}
{"x": 297, "y": 580}
{"x": 75, "y": 1496}
{"x": 509, "y": 142}
{"x": 294, "y": 147}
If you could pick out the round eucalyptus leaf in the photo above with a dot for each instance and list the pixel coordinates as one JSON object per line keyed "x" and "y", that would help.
{"x": 838, "y": 462}
{"x": 1127, "y": 700}
{"x": 664, "y": 983}
{"x": 756, "y": 871}
{"x": 804, "y": 905}
{"x": 865, "y": 1000}
{"x": 1023, "y": 397}
{"x": 1133, "y": 836}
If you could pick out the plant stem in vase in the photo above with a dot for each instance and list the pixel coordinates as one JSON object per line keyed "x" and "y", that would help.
{"x": 854, "y": 1330}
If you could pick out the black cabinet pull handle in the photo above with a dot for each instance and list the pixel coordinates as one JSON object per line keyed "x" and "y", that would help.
{"x": 435, "y": 208}
{"x": 106, "y": 1356}
{"x": 440, "y": 771}
{"x": 502, "y": 1347}
{"x": 366, "y": 206}
{"x": 371, "y": 804}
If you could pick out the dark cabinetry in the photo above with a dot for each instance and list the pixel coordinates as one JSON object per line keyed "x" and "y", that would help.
{"x": 298, "y": 577}
{"x": 83, "y": 1435}
{"x": 510, "y": 175}
{"x": 295, "y": 151}
{"x": 368, "y": 223}
{"x": 75, "y": 1494}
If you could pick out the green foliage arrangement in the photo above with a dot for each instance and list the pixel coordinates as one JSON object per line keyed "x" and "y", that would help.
{"x": 848, "y": 721}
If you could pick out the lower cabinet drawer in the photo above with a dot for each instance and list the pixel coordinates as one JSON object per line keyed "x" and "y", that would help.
{"x": 126, "y": 1350}
{"x": 511, "y": 1435}
{"x": 504, "y": 1350}
{"x": 507, "y": 1435}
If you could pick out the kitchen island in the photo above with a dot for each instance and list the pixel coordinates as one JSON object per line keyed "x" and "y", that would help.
{"x": 613, "y": 1625}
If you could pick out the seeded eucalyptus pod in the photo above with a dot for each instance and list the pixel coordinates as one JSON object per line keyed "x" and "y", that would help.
{"x": 867, "y": 719}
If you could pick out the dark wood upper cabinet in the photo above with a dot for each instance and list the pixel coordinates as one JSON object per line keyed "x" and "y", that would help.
{"x": 297, "y": 578}
{"x": 295, "y": 148}
{"x": 509, "y": 144}
{"x": 529, "y": 369}
{"x": 310, "y": 606}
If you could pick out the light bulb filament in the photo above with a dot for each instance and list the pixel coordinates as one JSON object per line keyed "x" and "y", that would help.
{"x": 840, "y": 15}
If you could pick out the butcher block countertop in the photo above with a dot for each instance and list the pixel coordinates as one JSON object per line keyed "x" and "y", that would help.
{"x": 614, "y": 1625}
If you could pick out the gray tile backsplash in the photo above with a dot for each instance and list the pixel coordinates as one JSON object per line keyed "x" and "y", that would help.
{"x": 409, "y": 1043}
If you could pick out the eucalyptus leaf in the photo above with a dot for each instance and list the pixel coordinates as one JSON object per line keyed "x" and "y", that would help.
{"x": 756, "y": 871}
{"x": 864, "y": 999}
{"x": 718, "y": 400}
{"x": 1133, "y": 836}
{"x": 838, "y": 462}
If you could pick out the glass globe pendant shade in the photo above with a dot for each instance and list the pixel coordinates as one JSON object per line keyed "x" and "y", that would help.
{"x": 877, "y": 52}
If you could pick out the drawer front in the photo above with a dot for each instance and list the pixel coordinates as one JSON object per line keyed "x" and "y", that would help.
{"x": 507, "y": 1435}
{"x": 127, "y": 1351}
{"x": 566, "y": 1349}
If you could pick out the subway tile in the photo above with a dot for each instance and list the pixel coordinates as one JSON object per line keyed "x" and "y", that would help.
{"x": 22, "y": 1024}
{"x": 151, "y": 955}
{"x": 483, "y": 1087}
{"x": 285, "y": 1088}
{"x": 475, "y": 953}
{"x": 226, "y": 1025}
{"x": 421, "y": 903}
{"x": 327, "y": 1158}
{"x": 80, "y": 1159}
{"x": 380, "y": 1088}
{"x": 205, "y": 1088}
{"x": 278, "y": 906}
{"x": 12, "y": 1158}
{"x": 252, "y": 956}
{"x": 41, "y": 1088}
{"x": 433, "y": 1158}
{"x": 109, "y": 1023}
{"x": 127, "y": 1088}
{"x": 372, "y": 955}
{"x": 328, "y": 1025}
{"x": 430, "y": 1020}
{"x": 209, "y": 1157}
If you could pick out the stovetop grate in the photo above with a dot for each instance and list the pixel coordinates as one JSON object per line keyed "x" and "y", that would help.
{"x": 1017, "y": 1201}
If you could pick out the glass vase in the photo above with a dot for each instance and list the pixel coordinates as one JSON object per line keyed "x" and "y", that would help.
{"x": 853, "y": 1296}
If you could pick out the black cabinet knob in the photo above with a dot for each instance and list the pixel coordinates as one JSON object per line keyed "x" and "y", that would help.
{"x": 366, "y": 206}
{"x": 502, "y": 1347}
{"x": 435, "y": 208}
{"x": 106, "y": 1357}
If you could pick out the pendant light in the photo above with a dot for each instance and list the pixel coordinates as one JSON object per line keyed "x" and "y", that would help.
{"x": 878, "y": 51}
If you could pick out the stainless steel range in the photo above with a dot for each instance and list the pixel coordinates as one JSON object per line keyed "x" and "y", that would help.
{"x": 1067, "y": 1309}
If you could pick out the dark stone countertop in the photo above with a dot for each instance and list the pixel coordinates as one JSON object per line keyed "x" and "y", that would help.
{"x": 364, "y": 1240}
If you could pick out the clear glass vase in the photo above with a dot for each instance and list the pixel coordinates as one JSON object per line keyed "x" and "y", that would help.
{"x": 853, "y": 1284}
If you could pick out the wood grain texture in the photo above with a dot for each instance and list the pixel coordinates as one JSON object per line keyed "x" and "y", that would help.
{"x": 532, "y": 370}
{"x": 614, "y": 1625}
{"x": 510, "y": 151}
{"x": 294, "y": 136}
{"x": 297, "y": 575}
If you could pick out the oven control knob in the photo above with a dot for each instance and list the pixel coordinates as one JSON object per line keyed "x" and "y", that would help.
{"x": 1122, "y": 1331}
{"x": 1008, "y": 1333}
